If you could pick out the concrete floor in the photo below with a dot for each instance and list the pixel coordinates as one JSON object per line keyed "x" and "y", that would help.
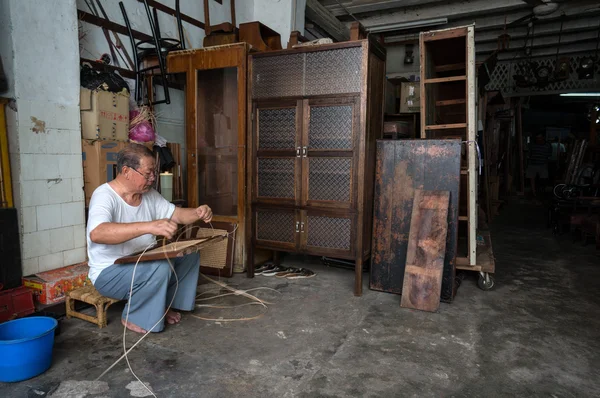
{"x": 537, "y": 334}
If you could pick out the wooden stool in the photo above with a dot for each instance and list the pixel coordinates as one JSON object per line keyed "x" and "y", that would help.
{"x": 89, "y": 294}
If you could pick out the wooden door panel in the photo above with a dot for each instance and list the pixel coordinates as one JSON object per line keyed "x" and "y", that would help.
{"x": 329, "y": 182}
{"x": 328, "y": 234}
{"x": 276, "y": 178}
{"x": 331, "y": 127}
{"x": 276, "y": 128}
{"x": 276, "y": 229}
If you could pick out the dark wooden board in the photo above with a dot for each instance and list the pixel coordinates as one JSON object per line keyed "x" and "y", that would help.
{"x": 422, "y": 284}
{"x": 402, "y": 167}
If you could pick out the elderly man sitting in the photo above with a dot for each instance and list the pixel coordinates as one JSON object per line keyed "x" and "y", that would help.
{"x": 125, "y": 216}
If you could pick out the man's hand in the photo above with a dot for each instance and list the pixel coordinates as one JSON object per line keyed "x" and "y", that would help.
{"x": 204, "y": 213}
{"x": 164, "y": 227}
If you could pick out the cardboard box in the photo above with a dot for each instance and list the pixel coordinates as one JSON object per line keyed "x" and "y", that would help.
{"x": 50, "y": 287}
{"x": 99, "y": 164}
{"x": 104, "y": 115}
{"x": 410, "y": 97}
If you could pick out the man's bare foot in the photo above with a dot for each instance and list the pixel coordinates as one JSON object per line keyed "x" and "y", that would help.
{"x": 173, "y": 317}
{"x": 132, "y": 327}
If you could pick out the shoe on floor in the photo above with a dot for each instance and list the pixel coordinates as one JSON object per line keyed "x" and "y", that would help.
{"x": 263, "y": 268}
{"x": 274, "y": 271}
{"x": 301, "y": 274}
{"x": 289, "y": 271}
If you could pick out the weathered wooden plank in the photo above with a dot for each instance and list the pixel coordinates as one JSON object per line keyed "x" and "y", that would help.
{"x": 401, "y": 168}
{"x": 426, "y": 250}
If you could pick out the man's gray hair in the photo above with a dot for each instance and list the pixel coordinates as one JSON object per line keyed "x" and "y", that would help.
{"x": 131, "y": 155}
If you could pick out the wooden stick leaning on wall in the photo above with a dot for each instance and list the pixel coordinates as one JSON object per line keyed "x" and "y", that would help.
{"x": 206, "y": 18}
{"x": 233, "y": 14}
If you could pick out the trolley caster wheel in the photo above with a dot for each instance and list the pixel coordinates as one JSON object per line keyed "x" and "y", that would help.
{"x": 486, "y": 282}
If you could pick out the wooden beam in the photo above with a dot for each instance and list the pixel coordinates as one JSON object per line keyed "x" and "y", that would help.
{"x": 450, "y": 10}
{"x": 362, "y": 6}
{"x": 170, "y": 11}
{"x": 550, "y": 31}
{"x": 207, "y": 28}
{"x": 545, "y": 42}
{"x": 579, "y": 11}
{"x": 233, "y": 13}
{"x": 445, "y": 79}
{"x": 321, "y": 16}
{"x": 112, "y": 26}
{"x": 534, "y": 2}
{"x": 579, "y": 45}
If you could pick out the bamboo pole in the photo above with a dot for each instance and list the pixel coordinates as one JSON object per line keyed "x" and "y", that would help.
{"x": 6, "y": 182}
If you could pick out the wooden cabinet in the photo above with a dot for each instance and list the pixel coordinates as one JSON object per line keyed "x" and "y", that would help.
{"x": 215, "y": 107}
{"x": 316, "y": 113}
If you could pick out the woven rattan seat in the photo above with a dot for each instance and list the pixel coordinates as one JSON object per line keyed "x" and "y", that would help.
{"x": 89, "y": 294}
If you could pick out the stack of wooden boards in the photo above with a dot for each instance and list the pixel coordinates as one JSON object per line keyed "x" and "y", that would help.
{"x": 416, "y": 220}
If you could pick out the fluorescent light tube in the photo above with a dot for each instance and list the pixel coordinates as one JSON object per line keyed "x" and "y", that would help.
{"x": 406, "y": 25}
{"x": 581, "y": 95}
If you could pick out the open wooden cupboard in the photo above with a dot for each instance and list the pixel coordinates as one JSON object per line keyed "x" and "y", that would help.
{"x": 215, "y": 108}
{"x": 449, "y": 111}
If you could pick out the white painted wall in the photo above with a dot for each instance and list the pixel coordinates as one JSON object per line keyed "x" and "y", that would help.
{"x": 44, "y": 132}
{"x": 6, "y": 47}
{"x": 282, "y": 16}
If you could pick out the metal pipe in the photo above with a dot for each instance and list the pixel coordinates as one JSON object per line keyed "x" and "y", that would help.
{"x": 179, "y": 24}
{"x": 133, "y": 48}
{"x": 159, "y": 55}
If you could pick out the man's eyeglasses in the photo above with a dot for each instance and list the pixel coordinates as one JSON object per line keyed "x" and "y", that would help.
{"x": 150, "y": 177}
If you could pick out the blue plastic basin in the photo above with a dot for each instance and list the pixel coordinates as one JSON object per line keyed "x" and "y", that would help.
{"x": 26, "y": 347}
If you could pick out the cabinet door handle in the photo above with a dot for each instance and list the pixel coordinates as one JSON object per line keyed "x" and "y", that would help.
{"x": 304, "y": 151}
{"x": 297, "y": 226}
{"x": 302, "y": 227}
{"x": 298, "y": 152}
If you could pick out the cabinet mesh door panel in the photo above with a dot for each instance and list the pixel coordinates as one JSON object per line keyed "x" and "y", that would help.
{"x": 278, "y": 76}
{"x": 330, "y": 127}
{"x": 328, "y": 232}
{"x": 333, "y": 71}
{"x": 329, "y": 179}
{"x": 276, "y": 178}
{"x": 275, "y": 226}
{"x": 277, "y": 128}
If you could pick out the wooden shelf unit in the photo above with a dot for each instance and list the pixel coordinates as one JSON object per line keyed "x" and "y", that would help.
{"x": 448, "y": 89}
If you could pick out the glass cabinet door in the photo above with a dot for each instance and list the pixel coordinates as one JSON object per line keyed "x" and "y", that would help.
{"x": 217, "y": 140}
{"x": 330, "y": 141}
{"x": 276, "y": 228}
{"x": 277, "y": 153}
